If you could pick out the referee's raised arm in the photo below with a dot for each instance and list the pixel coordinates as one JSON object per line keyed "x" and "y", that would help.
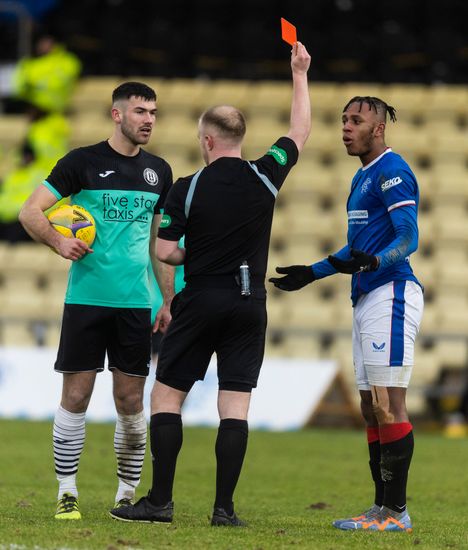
{"x": 299, "y": 129}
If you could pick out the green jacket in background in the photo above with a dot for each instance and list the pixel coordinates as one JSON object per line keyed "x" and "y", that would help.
{"x": 48, "y": 136}
{"x": 47, "y": 81}
{"x": 17, "y": 187}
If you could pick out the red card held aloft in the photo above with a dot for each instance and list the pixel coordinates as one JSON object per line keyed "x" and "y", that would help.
{"x": 288, "y": 32}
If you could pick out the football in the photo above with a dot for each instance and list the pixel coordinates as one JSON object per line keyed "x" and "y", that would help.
{"x": 72, "y": 220}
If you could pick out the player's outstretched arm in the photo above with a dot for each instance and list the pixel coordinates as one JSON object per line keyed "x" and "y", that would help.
{"x": 405, "y": 224}
{"x": 36, "y": 224}
{"x": 300, "y": 123}
{"x": 296, "y": 277}
{"x": 359, "y": 261}
{"x": 404, "y": 244}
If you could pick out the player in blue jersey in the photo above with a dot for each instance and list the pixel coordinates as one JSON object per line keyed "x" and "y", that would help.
{"x": 107, "y": 304}
{"x": 387, "y": 299}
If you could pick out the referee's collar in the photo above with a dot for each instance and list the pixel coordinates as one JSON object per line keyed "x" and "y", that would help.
{"x": 225, "y": 158}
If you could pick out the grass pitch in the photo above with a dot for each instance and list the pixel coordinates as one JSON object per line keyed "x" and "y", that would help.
{"x": 293, "y": 485}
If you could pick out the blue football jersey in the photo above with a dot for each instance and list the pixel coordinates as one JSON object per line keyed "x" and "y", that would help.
{"x": 378, "y": 191}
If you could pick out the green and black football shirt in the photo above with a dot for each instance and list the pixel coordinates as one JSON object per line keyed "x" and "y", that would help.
{"x": 122, "y": 194}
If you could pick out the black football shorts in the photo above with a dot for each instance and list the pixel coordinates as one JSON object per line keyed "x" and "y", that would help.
{"x": 207, "y": 321}
{"x": 156, "y": 339}
{"x": 88, "y": 332}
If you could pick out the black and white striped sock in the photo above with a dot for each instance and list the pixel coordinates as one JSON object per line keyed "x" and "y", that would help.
{"x": 129, "y": 445}
{"x": 68, "y": 438}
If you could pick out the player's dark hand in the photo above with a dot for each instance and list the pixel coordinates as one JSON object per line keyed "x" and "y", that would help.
{"x": 297, "y": 276}
{"x": 360, "y": 261}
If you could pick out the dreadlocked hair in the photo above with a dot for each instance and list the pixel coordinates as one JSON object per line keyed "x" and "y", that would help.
{"x": 374, "y": 103}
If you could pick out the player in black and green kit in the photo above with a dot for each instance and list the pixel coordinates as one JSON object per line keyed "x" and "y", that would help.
{"x": 107, "y": 303}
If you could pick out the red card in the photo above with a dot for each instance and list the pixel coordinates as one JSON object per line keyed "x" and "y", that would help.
{"x": 288, "y": 32}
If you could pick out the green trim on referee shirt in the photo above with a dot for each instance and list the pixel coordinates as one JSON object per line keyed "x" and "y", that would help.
{"x": 278, "y": 154}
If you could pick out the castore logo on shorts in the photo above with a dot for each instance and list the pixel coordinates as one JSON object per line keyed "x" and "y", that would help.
{"x": 378, "y": 347}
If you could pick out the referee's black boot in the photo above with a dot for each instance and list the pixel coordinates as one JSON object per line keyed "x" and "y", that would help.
{"x": 144, "y": 511}
{"x": 221, "y": 517}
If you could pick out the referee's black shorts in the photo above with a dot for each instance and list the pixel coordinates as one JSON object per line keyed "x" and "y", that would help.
{"x": 88, "y": 332}
{"x": 214, "y": 320}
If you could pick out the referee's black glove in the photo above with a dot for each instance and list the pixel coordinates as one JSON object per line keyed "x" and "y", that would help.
{"x": 297, "y": 276}
{"x": 360, "y": 262}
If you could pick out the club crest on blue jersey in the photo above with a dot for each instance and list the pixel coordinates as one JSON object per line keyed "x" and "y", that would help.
{"x": 365, "y": 185}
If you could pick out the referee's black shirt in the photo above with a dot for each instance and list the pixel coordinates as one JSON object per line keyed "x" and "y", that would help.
{"x": 229, "y": 214}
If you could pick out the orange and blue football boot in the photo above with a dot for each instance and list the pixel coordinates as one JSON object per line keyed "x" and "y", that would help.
{"x": 387, "y": 520}
{"x": 368, "y": 515}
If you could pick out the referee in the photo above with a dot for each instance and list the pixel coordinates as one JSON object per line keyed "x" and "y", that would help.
{"x": 225, "y": 212}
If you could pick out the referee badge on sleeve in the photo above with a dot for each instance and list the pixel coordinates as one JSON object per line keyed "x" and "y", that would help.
{"x": 166, "y": 221}
{"x": 278, "y": 154}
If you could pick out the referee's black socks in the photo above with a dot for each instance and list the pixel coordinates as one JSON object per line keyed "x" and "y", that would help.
{"x": 166, "y": 441}
{"x": 396, "y": 451}
{"x": 231, "y": 445}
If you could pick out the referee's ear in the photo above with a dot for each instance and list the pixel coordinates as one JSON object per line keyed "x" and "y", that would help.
{"x": 209, "y": 142}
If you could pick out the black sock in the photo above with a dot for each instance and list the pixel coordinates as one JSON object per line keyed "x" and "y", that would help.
{"x": 231, "y": 445}
{"x": 374, "y": 464}
{"x": 166, "y": 441}
{"x": 395, "y": 463}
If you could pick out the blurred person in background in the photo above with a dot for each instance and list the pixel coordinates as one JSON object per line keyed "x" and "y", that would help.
{"x": 47, "y": 79}
{"x": 45, "y": 83}
{"x": 46, "y": 141}
{"x": 225, "y": 211}
{"x": 387, "y": 300}
{"x": 14, "y": 190}
{"x": 107, "y": 304}
{"x": 457, "y": 421}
